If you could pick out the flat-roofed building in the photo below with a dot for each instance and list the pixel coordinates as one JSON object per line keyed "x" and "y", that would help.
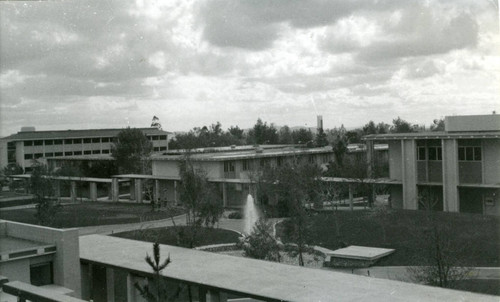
{"x": 457, "y": 170}
{"x": 233, "y": 167}
{"x": 25, "y": 146}
{"x": 40, "y": 256}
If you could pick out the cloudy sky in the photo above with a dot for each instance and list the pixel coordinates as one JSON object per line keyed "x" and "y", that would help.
{"x": 86, "y": 64}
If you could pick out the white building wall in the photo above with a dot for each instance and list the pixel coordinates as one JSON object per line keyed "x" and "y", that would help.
{"x": 491, "y": 159}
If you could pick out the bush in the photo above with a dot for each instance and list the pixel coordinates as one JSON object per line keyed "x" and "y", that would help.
{"x": 235, "y": 215}
{"x": 260, "y": 244}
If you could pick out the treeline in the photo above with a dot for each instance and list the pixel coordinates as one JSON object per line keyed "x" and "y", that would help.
{"x": 263, "y": 133}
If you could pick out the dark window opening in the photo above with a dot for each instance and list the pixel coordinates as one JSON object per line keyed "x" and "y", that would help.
{"x": 87, "y": 152}
{"x": 96, "y": 151}
{"x": 68, "y": 141}
{"x": 87, "y": 141}
{"x": 28, "y": 156}
{"x": 49, "y": 142}
{"x": 58, "y": 154}
{"x": 96, "y": 140}
{"x": 38, "y": 155}
{"x": 77, "y": 153}
{"x": 77, "y": 141}
{"x": 163, "y": 137}
{"x": 28, "y": 143}
{"x": 49, "y": 154}
{"x": 38, "y": 143}
{"x": 58, "y": 142}
{"x": 228, "y": 166}
{"x": 69, "y": 153}
{"x": 41, "y": 274}
{"x": 421, "y": 153}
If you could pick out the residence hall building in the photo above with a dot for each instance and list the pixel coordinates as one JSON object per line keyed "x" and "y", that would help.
{"x": 458, "y": 169}
{"x": 26, "y": 145}
{"x": 231, "y": 168}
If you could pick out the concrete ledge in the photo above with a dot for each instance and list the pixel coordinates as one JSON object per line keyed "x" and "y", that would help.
{"x": 356, "y": 256}
{"x": 33, "y": 293}
{"x": 218, "y": 247}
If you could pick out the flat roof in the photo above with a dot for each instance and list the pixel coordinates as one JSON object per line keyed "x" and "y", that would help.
{"x": 432, "y": 135}
{"x": 263, "y": 280}
{"x": 94, "y": 157}
{"x": 79, "y": 133}
{"x": 246, "y": 154}
{"x": 361, "y": 252}
{"x": 385, "y": 181}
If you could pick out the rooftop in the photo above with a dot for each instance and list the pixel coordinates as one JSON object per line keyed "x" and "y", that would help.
{"x": 82, "y": 133}
{"x": 247, "y": 153}
{"x": 269, "y": 281}
{"x": 432, "y": 135}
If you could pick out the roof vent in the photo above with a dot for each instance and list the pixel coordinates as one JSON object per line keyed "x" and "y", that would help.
{"x": 28, "y": 129}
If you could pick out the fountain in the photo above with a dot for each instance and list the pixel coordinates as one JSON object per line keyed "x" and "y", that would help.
{"x": 251, "y": 215}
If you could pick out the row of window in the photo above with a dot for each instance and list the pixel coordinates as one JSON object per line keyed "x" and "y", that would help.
{"x": 436, "y": 153}
{"x": 156, "y": 149}
{"x": 68, "y": 153}
{"x": 72, "y": 141}
{"x": 229, "y": 166}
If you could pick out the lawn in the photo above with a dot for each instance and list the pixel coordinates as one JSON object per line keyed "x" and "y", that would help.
{"x": 169, "y": 235}
{"x": 480, "y": 234}
{"x": 89, "y": 214}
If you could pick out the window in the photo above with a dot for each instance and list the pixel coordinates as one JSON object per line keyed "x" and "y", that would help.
{"x": 163, "y": 137}
{"x": 325, "y": 158}
{"x": 77, "y": 153}
{"x": 28, "y": 156}
{"x": 105, "y": 139}
{"x": 77, "y": 141}
{"x": 49, "y": 142}
{"x": 245, "y": 165}
{"x": 41, "y": 274}
{"x": 69, "y": 153}
{"x": 228, "y": 166}
{"x": 28, "y": 143}
{"x": 38, "y": 155}
{"x": 279, "y": 161}
{"x": 156, "y": 149}
{"x": 87, "y": 140}
{"x": 86, "y": 152}
{"x": 469, "y": 154}
{"x": 163, "y": 148}
{"x": 58, "y": 154}
{"x": 58, "y": 142}
{"x": 38, "y": 143}
{"x": 96, "y": 151}
{"x": 311, "y": 159}
{"x": 68, "y": 141}
{"x": 421, "y": 153}
{"x": 435, "y": 153}
{"x": 49, "y": 154}
{"x": 105, "y": 151}
{"x": 96, "y": 140}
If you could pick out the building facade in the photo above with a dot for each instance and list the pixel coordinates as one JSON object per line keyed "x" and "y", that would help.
{"x": 25, "y": 146}
{"x": 456, "y": 170}
{"x": 233, "y": 168}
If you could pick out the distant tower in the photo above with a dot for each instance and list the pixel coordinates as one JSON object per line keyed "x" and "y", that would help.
{"x": 319, "y": 122}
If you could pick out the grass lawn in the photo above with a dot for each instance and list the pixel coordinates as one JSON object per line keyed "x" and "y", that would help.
{"x": 89, "y": 214}
{"x": 480, "y": 234}
{"x": 484, "y": 286}
{"x": 206, "y": 236}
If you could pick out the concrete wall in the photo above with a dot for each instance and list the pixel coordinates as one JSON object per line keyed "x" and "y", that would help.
{"x": 165, "y": 168}
{"x": 395, "y": 160}
{"x": 66, "y": 260}
{"x": 409, "y": 173}
{"x": 17, "y": 270}
{"x": 450, "y": 175}
{"x": 489, "y": 122}
{"x": 491, "y": 161}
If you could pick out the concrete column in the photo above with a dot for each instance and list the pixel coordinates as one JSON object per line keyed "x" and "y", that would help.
{"x": 156, "y": 191}
{"x": 451, "y": 202}
{"x": 369, "y": 158}
{"x": 132, "y": 189}
{"x": 57, "y": 188}
{"x": 176, "y": 201}
{"x": 215, "y": 296}
{"x": 351, "y": 199}
{"x": 224, "y": 195}
{"x": 110, "y": 284}
{"x": 409, "y": 164}
{"x": 72, "y": 190}
{"x": 93, "y": 191}
{"x": 138, "y": 190}
{"x": 115, "y": 189}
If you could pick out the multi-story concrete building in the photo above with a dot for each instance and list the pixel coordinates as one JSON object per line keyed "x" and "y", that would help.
{"x": 233, "y": 167}
{"x": 25, "y": 146}
{"x": 456, "y": 170}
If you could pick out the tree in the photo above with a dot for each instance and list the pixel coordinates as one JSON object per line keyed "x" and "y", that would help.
{"x": 41, "y": 186}
{"x": 443, "y": 259}
{"x": 290, "y": 187}
{"x": 160, "y": 292}
{"x": 401, "y": 126}
{"x": 369, "y": 128}
{"x": 236, "y": 132}
{"x": 437, "y": 125}
{"x": 285, "y": 135}
{"x": 261, "y": 133}
{"x": 302, "y": 136}
{"x": 131, "y": 151}
{"x": 321, "y": 140}
{"x": 155, "y": 123}
{"x": 11, "y": 169}
{"x": 200, "y": 200}
{"x": 383, "y": 128}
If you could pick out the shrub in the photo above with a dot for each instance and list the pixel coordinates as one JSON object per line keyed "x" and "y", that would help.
{"x": 260, "y": 244}
{"x": 235, "y": 215}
